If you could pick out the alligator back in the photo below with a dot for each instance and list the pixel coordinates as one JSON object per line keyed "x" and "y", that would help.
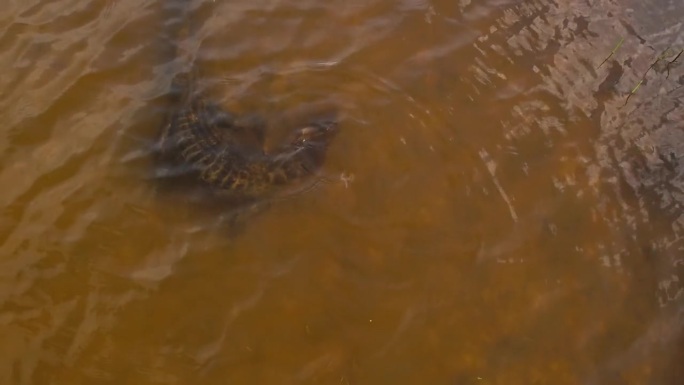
{"x": 204, "y": 138}
{"x": 210, "y": 142}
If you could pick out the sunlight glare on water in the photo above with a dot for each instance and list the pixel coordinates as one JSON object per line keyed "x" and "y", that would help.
{"x": 493, "y": 210}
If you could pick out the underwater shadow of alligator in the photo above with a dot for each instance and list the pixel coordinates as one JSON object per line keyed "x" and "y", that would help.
{"x": 204, "y": 148}
{"x": 218, "y": 165}
{"x": 226, "y": 154}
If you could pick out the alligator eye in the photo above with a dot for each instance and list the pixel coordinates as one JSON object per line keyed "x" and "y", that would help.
{"x": 308, "y": 130}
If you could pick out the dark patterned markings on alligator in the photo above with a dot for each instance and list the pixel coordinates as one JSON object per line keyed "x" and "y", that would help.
{"x": 209, "y": 141}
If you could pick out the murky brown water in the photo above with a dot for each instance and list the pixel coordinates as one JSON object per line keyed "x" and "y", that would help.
{"x": 494, "y": 214}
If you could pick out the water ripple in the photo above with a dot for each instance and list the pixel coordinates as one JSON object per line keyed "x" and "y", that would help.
{"x": 489, "y": 185}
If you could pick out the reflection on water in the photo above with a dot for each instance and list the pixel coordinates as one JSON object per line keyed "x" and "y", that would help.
{"x": 493, "y": 211}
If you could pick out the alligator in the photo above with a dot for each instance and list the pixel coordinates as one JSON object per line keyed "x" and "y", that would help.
{"x": 210, "y": 142}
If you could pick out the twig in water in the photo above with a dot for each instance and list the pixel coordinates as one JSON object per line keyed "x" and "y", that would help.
{"x": 643, "y": 77}
{"x": 633, "y": 90}
{"x": 612, "y": 52}
{"x": 670, "y": 63}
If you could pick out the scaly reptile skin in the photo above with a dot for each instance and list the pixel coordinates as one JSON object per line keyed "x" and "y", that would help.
{"x": 204, "y": 137}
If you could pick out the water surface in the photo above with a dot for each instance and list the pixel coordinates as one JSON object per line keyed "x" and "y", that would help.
{"x": 495, "y": 210}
